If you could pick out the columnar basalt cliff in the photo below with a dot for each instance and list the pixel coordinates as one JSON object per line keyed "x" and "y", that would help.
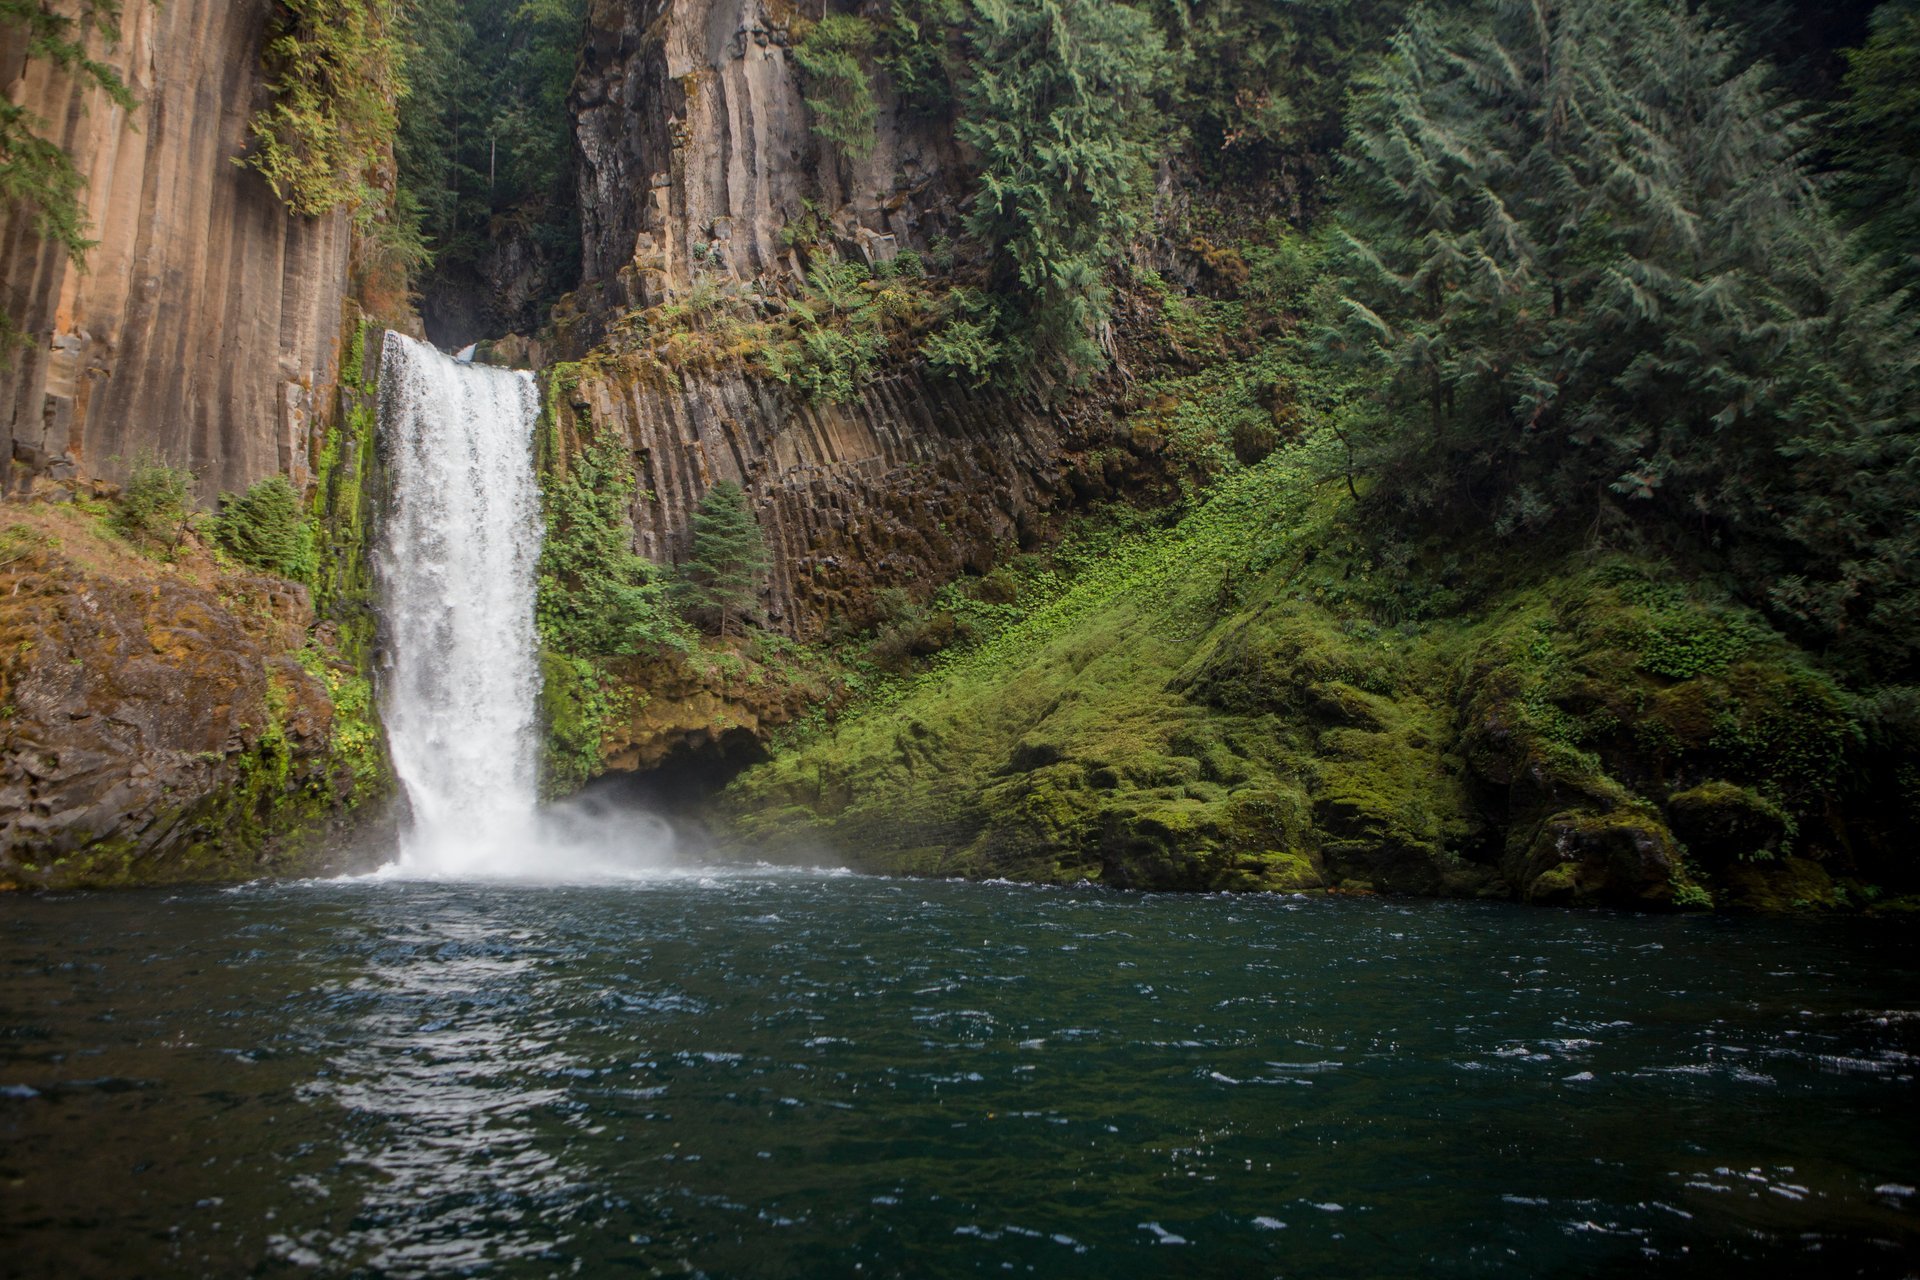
{"x": 204, "y": 328}
{"x": 695, "y": 151}
{"x": 910, "y": 486}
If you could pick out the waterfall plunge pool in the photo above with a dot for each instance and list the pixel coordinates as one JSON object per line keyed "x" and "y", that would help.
{"x": 532, "y": 1047}
{"x": 763, "y": 1073}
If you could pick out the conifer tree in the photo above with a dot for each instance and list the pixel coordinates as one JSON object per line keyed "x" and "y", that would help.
{"x": 1062, "y": 110}
{"x": 597, "y": 597}
{"x": 1266, "y": 83}
{"x": 728, "y": 556}
{"x": 1601, "y": 282}
{"x": 264, "y": 527}
{"x": 1880, "y": 136}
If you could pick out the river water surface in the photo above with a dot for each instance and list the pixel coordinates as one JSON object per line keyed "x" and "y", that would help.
{"x": 781, "y": 1074}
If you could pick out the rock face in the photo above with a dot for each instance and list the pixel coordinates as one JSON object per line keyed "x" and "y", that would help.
{"x": 685, "y": 710}
{"x": 696, "y": 151}
{"x": 205, "y": 328}
{"x": 912, "y": 485}
{"x": 155, "y": 728}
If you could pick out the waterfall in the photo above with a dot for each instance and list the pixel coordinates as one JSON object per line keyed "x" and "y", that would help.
{"x": 457, "y": 568}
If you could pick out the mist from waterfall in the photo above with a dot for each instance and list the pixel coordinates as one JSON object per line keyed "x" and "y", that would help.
{"x": 458, "y": 563}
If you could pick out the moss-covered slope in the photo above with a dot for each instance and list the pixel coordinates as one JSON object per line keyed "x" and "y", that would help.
{"x": 1258, "y": 699}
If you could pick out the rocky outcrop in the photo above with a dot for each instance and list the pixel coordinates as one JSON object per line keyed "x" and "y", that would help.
{"x": 696, "y": 154}
{"x": 155, "y": 725}
{"x": 703, "y": 707}
{"x": 695, "y": 151}
{"x": 910, "y": 486}
{"x": 204, "y": 328}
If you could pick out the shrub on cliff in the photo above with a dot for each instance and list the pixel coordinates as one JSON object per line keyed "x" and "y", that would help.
{"x": 840, "y": 334}
{"x": 264, "y": 528}
{"x": 154, "y": 504}
{"x": 832, "y": 57}
{"x": 334, "y": 70}
{"x": 1062, "y": 109}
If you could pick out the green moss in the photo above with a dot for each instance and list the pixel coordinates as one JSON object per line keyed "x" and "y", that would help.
{"x": 578, "y": 701}
{"x": 1131, "y": 709}
{"x": 1723, "y": 822}
{"x": 344, "y": 492}
{"x": 357, "y": 739}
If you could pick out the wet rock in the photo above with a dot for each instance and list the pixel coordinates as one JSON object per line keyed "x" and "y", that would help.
{"x": 1722, "y": 823}
{"x": 1616, "y": 859}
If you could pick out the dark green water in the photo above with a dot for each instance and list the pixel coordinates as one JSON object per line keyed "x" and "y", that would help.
{"x": 784, "y": 1074}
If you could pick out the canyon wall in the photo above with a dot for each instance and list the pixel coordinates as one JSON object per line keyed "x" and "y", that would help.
{"x": 204, "y": 328}
{"x": 910, "y": 486}
{"x": 696, "y": 152}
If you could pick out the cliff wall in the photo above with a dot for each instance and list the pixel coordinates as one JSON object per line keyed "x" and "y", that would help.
{"x": 205, "y": 326}
{"x": 169, "y": 722}
{"x": 909, "y": 486}
{"x": 695, "y": 151}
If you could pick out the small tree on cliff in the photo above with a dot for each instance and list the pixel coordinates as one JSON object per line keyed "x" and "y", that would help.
{"x": 728, "y": 557}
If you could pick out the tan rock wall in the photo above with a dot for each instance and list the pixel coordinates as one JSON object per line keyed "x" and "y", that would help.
{"x": 696, "y": 150}
{"x": 205, "y": 327}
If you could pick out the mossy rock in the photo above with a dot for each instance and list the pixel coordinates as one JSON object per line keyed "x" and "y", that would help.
{"x": 1276, "y": 872}
{"x": 1722, "y": 823}
{"x": 1623, "y": 859}
{"x": 1273, "y": 661}
{"x": 1786, "y": 884}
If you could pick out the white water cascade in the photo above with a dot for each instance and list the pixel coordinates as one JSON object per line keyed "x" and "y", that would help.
{"x": 460, "y": 550}
{"x": 458, "y": 560}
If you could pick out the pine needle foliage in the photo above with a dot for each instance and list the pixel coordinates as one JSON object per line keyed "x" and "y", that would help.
{"x": 154, "y": 505}
{"x": 596, "y": 596}
{"x": 915, "y": 46}
{"x": 265, "y": 528}
{"x": 1599, "y": 284}
{"x": 1266, "y": 83}
{"x": 833, "y": 58}
{"x": 1879, "y": 129}
{"x": 717, "y": 582}
{"x": 1063, "y": 110}
{"x": 484, "y": 146}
